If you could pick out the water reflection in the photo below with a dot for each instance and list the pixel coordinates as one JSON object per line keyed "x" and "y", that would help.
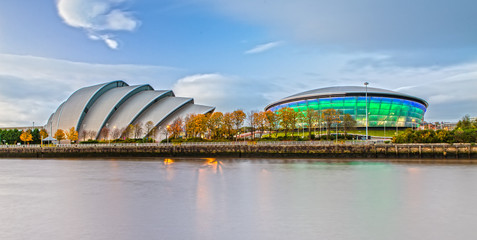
{"x": 214, "y": 164}
{"x": 168, "y": 161}
{"x": 234, "y": 199}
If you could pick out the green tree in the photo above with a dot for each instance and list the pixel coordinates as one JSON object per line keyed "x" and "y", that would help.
{"x": 465, "y": 123}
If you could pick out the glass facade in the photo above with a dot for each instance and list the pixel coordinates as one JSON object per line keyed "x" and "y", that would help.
{"x": 382, "y": 111}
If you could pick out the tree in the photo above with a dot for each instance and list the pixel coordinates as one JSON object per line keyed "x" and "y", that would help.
{"x": 149, "y": 126}
{"x": 72, "y": 134}
{"x": 260, "y": 122}
{"x": 83, "y": 134}
{"x": 330, "y": 116}
{"x": 138, "y": 130}
{"x": 59, "y": 135}
{"x": 287, "y": 119}
{"x": 175, "y": 128}
{"x": 252, "y": 123}
{"x": 35, "y": 133}
{"x": 272, "y": 122}
{"x": 91, "y": 134}
{"x": 310, "y": 117}
{"x": 238, "y": 117}
{"x": 214, "y": 124}
{"x": 348, "y": 123}
{"x": 128, "y": 132}
{"x": 116, "y": 133}
{"x": 104, "y": 134}
{"x": 200, "y": 124}
{"x": 189, "y": 125}
{"x": 465, "y": 123}
{"x": 43, "y": 134}
{"x": 11, "y": 136}
{"x": 26, "y": 136}
{"x": 228, "y": 125}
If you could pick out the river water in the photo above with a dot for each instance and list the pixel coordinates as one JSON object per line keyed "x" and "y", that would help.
{"x": 235, "y": 199}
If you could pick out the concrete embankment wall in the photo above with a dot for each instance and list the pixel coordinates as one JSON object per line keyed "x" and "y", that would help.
{"x": 466, "y": 153}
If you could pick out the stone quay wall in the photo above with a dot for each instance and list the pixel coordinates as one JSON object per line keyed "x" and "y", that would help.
{"x": 460, "y": 153}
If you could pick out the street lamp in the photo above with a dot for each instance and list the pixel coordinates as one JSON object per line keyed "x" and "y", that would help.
{"x": 366, "y": 86}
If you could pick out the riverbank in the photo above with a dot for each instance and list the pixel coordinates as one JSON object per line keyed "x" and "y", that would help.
{"x": 466, "y": 153}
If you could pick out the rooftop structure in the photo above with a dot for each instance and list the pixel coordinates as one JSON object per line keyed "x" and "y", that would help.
{"x": 115, "y": 105}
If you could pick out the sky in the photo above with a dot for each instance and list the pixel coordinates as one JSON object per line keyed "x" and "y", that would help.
{"x": 236, "y": 54}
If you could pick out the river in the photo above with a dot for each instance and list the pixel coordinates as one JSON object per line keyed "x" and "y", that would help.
{"x": 235, "y": 199}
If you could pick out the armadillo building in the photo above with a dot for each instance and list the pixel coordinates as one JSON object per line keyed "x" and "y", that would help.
{"x": 385, "y": 108}
{"x": 115, "y": 105}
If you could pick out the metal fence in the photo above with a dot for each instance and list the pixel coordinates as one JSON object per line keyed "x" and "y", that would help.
{"x": 261, "y": 143}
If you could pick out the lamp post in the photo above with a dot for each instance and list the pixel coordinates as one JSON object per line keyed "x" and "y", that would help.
{"x": 366, "y": 86}
{"x": 337, "y": 132}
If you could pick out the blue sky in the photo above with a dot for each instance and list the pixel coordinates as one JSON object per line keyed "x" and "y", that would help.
{"x": 236, "y": 54}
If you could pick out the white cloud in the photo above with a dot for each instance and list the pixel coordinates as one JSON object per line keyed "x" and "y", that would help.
{"x": 263, "y": 47}
{"x": 33, "y": 87}
{"x": 226, "y": 93}
{"x": 97, "y": 17}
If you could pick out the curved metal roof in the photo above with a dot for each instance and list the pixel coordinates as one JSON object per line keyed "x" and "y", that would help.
{"x": 107, "y": 104}
{"x": 162, "y": 109}
{"x": 52, "y": 124}
{"x": 134, "y": 106}
{"x": 117, "y": 105}
{"x": 78, "y": 104}
{"x": 344, "y": 91}
{"x": 182, "y": 113}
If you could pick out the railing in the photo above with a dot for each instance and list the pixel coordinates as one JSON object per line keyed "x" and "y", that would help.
{"x": 243, "y": 143}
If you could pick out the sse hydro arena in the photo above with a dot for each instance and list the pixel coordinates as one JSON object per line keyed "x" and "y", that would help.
{"x": 385, "y": 108}
{"x": 115, "y": 105}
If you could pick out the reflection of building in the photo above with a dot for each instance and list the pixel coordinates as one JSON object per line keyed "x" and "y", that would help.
{"x": 115, "y": 105}
{"x": 385, "y": 108}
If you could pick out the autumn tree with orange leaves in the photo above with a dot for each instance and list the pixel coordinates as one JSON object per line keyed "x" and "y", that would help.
{"x": 26, "y": 136}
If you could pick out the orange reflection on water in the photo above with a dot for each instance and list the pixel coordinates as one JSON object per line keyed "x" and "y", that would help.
{"x": 215, "y": 164}
{"x": 168, "y": 161}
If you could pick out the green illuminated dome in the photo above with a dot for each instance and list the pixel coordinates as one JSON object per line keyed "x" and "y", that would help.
{"x": 385, "y": 107}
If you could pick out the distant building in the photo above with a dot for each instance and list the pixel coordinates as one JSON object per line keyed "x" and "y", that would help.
{"x": 385, "y": 108}
{"x": 113, "y": 106}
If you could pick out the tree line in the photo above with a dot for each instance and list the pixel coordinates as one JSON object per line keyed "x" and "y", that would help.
{"x": 210, "y": 126}
{"x": 255, "y": 124}
{"x": 14, "y": 136}
{"x": 464, "y": 132}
